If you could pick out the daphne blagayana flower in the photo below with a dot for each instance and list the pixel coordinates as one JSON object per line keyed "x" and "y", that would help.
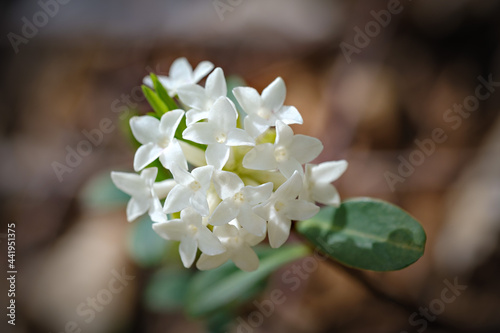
{"x": 236, "y": 181}
{"x": 238, "y": 244}
{"x": 145, "y": 193}
{"x": 157, "y": 138}
{"x": 283, "y": 207}
{"x": 200, "y": 99}
{"x": 264, "y": 110}
{"x": 181, "y": 74}
{"x": 287, "y": 154}
{"x": 192, "y": 234}
{"x": 219, "y": 133}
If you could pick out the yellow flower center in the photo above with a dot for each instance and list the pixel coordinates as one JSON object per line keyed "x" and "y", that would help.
{"x": 281, "y": 154}
{"x": 264, "y": 113}
{"x": 195, "y": 186}
{"x": 279, "y": 206}
{"x": 221, "y": 137}
{"x": 239, "y": 197}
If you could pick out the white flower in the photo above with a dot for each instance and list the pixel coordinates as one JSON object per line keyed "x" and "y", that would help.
{"x": 144, "y": 191}
{"x": 238, "y": 244}
{"x": 191, "y": 190}
{"x": 181, "y": 73}
{"x": 157, "y": 139}
{"x": 263, "y": 111}
{"x": 226, "y": 203}
{"x": 192, "y": 235}
{"x": 282, "y": 208}
{"x": 287, "y": 154}
{"x": 200, "y": 99}
{"x": 238, "y": 201}
{"x": 219, "y": 133}
{"x": 317, "y": 182}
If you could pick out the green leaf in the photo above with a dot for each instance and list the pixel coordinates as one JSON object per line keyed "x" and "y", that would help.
{"x": 155, "y": 101}
{"x": 145, "y": 246}
{"x": 166, "y": 290}
{"x": 162, "y": 93}
{"x": 367, "y": 234}
{"x": 229, "y": 286}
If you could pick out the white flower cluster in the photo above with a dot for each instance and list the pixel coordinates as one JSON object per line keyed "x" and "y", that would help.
{"x": 252, "y": 179}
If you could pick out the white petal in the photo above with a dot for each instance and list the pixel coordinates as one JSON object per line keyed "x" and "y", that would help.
{"x": 245, "y": 259}
{"x": 209, "y": 243}
{"x": 194, "y": 115}
{"x": 263, "y": 211}
{"x": 328, "y": 172}
{"x": 180, "y": 70}
{"x": 199, "y": 203}
{"x": 130, "y": 183}
{"x": 169, "y": 123}
{"x": 148, "y": 81}
{"x": 255, "y": 126}
{"x": 284, "y": 134}
{"x": 203, "y": 133}
{"x": 223, "y": 114}
{"x": 162, "y": 188}
{"x": 181, "y": 175}
{"x": 173, "y": 155}
{"x": 190, "y": 216}
{"x": 171, "y": 230}
{"x": 278, "y": 230}
{"x": 202, "y": 70}
{"x": 273, "y": 96}
{"x": 300, "y": 210}
{"x": 136, "y": 207}
{"x": 238, "y": 137}
{"x": 149, "y": 176}
{"x": 248, "y": 98}
{"x": 177, "y": 199}
{"x": 305, "y": 148}
{"x": 158, "y": 216}
{"x": 227, "y": 183}
{"x": 326, "y": 194}
{"x": 225, "y": 212}
{"x": 156, "y": 210}
{"x": 257, "y": 194}
{"x": 145, "y": 155}
{"x": 261, "y": 157}
{"x": 207, "y": 262}
{"x": 203, "y": 175}
{"x": 291, "y": 188}
{"x": 288, "y": 167}
{"x": 216, "y": 84}
{"x": 289, "y": 115}
{"x": 226, "y": 231}
{"x": 187, "y": 250}
{"x": 250, "y": 238}
{"x": 145, "y": 128}
{"x": 217, "y": 155}
{"x": 251, "y": 221}
{"x": 193, "y": 96}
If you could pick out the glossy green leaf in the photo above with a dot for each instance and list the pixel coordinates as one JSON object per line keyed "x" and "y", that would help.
{"x": 229, "y": 286}
{"x": 155, "y": 101}
{"x": 367, "y": 234}
{"x": 162, "y": 93}
{"x": 166, "y": 289}
{"x": 145, "y": 246}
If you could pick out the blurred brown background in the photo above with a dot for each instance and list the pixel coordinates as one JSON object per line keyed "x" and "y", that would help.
{"x": 86, "y": 59}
